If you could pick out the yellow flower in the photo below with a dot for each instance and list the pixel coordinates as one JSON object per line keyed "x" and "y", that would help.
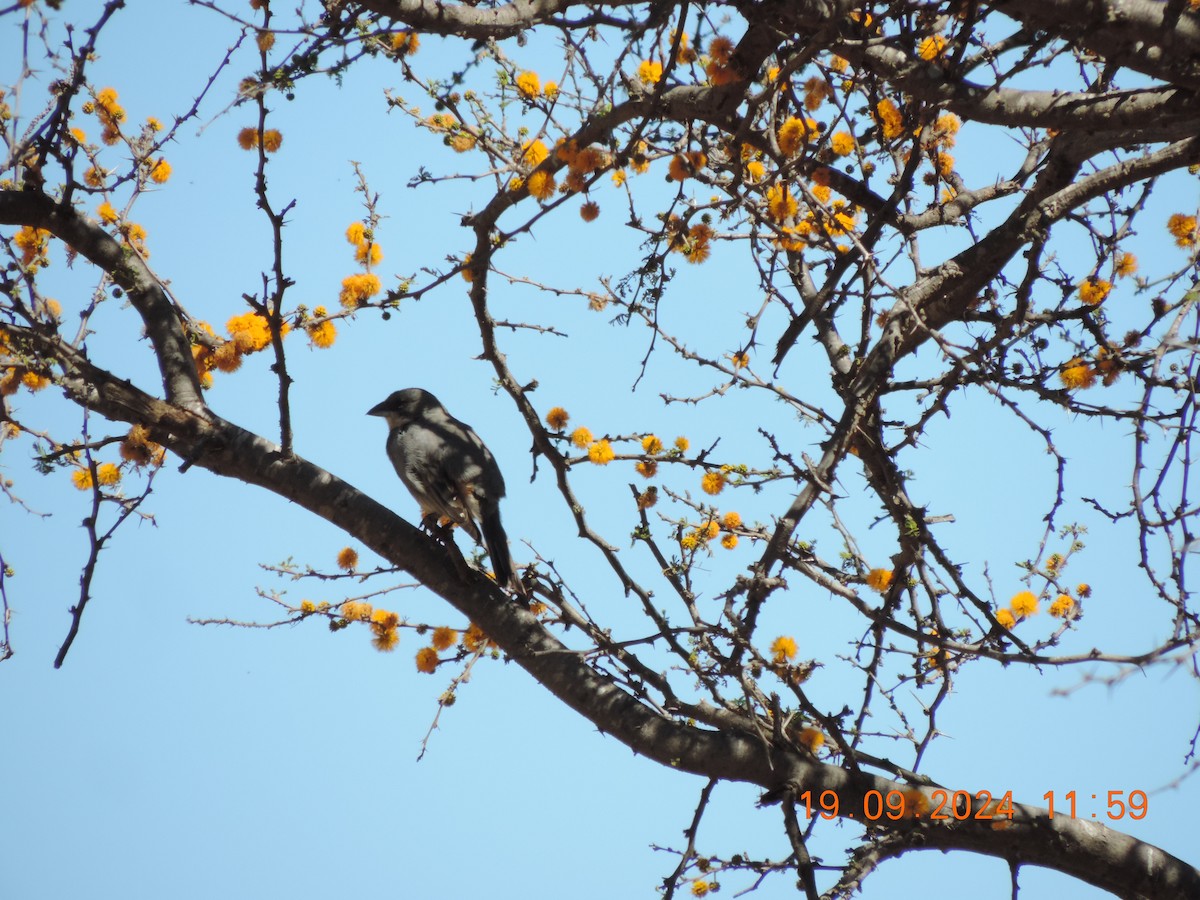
{"x": 369, "y": 254}
{"x": 931, "y": 47}
{"x": 729, "y": 541}
{"x": 82, "y": 479}
{"x": 649, "y": 71}
{"x": 880, "y": 579}
{"x": 678, "y": 169}
{"x": 1183, "y": 228}
{"x": 557, "y": 418}
{"x": 682, "y": 444}
{"x": 161, "y": 172}
{"x": 842, "y": 143}
{"x": 756, "y": 170}
{"x": 247, "y": 138}
{"x": 816, "y": 92}
{"x": 1093, "y": 290}
{"x": 385, "y": 640}
{"x": 1077, "y": 374}
{"x": 1062, "y": 606}
{"x": 589, "y": 211}
{"x": 601, "y": 452}
{"x": 356, "y": 233}
{"x": 541, "y": 185}
{"x": 1084, "y": 590}
{"x": 811, "y": 739}
{"x": 581, "y": 437}
{"x": 322, "y": 335}
{"x": 35, "y": 382}
{"x": 783, "y": 648}
{"x": 444, "y": 637}
{"x": 720, "y": 50}
{"x": 889, "y": 118}
{"x": 474, "y": 639}
{"x": 307, "y": 606}
{"x": 356, "y": 611}
{"x": 945, "y": 164}
{"x": 713, "y": 482}
{"x": 651, "y": 444}
{"x": 710, "y": 530}
{"x": 1023, "y": 604}
{"x": 1127, "y": 264}
{"x": 550, "y": 90}
{"x": 427, "y": 660}
{"x": 405, "y": 43}
{"x": 740, "y": 360}
{"x": 781, "y": 204}
{"x": 347, "y": 559}
{"x": 689, "y": 542}
{"x": 793, "y": 133}
{"x": 272, "y": 140}
{"x": 700, "y": 888}
{"x": 358, "y": 289}
{"x": 533, "y": 152}
{"x": 618, "y": 177}
{"x": 107, "y": 214}
{"x": 252, "y": 332}
{"x": 647, "y": 468}
{"x": 108, "y": 473}
{"x": 731, "y": 520}
{"x": 529, "y": 85}
{"x": 1005, "y": 618}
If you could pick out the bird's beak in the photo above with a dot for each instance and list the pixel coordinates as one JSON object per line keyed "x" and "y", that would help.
{"x": 377, "y": 409}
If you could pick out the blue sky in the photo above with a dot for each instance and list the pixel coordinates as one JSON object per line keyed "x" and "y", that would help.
{"x": 167, "y": 758}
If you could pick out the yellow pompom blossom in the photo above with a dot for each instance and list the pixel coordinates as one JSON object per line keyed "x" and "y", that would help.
{"x": 427, "y": 660}
{"x": 755, "y": 170}
{"x": 541, "y": 185}
{"x": 32, "y": 242}
{"x": 358, "y": 289}
{"x": 138, "y": 449}
{"x": 444, "y": 637}
{"x": 945, "y": 129}
{"x": 887, "y": 114}
{"x": 405, "y": 43}
{"x": 945, "y": 164}
{"x": 794, "y": 133}
{"x": 682, "y": 444}
{"x": 729, "y": 541}
{"x": 740, "y": 360}
{"x": 783, "y": 648}
{"x": 108, "y": 474}
{"x": 1024, "y": 603}
{"x": 82, "y": 479}
{"x": 1062, "y": 606}
{"x": 252, "y": 332}
{"x": 811, "y": 739}
{"x": 709, "y": 531}
{"x": 713, "y": 482}
{"x": 247, "y": 138}
{"x": 1077, "y": 374}
{"x": 731, "y": 520}
{"x": 307, "y": 607}
{"x": 931, "y": 47}
{"x": 700, "y": 888}
{"x": 781, "y": 205}
{"x": 1127, "y": 264}
{"x": 161, "y": 172}
{"x": 550, "y": 90}
{"x": 581, "y": 437}
{"x": 384, "y": 618}
{"x": 652, "y": 445}
{"x": 1093, "y": 290}
{"x": 1183, "y": 228}
{"x": 648, "y": 497}
{"x": 880, "y": 580}
{"x": 272, "y": 140}
{"x": 322, "y": 335}
{"x": 720, "y": 50}
{"x": 474, "y": 639}
{"x": 601, "y": 452}
{"x": 34, "y": 381}
{"x": 1083, "y": 590}
{"x": 462, "y": 141}
{"x": 842, "y": 143}
{"x": 816, "y": 91}
{"x": 368, "y": 254}
{"x": 356, "y": 611}
{"x": 265, "y": 40}
{"x": 649, "y": 71}
{"x": 647, "y": 468}
{"x": 107, "y": 214}
{"x": 557, "y": 418}
{"x": 529, "y": 85}
{"x": 533, "y": 152}
{"x": 385, "y": 640}
{"x": 1005, "y": 618}
{"x": 356, "y": 233}
{"x": 347, "y": 559}
{"x": 589, "y": 211}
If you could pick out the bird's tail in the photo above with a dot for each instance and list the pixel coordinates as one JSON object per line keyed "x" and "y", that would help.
{"x": 496, "y": 542}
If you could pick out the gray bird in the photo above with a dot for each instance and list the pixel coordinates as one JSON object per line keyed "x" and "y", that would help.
{"x": 449, "y": 471}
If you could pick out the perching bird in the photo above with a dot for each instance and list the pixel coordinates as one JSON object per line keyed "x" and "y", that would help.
{"x": 449, "y": 471}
